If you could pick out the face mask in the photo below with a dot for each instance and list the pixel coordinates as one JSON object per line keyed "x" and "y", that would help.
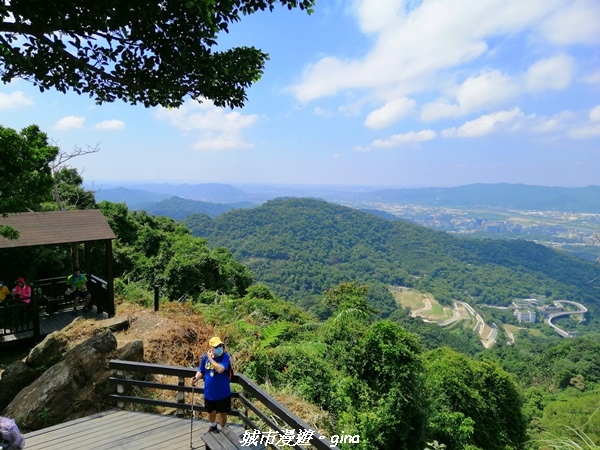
{"x": 218, "y": 351}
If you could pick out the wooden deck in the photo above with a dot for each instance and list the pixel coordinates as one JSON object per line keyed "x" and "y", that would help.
{"x": 54, "y": 322}
{"x": 117, "y": 429}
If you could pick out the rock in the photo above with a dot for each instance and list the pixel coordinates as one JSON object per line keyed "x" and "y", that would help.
{"x": 48, "y": 352}
{"x": 132, "y": 351}
{"x": 65, "y": 390}
{"x": 116, "y": 324}
{"x": 16, "y": 376}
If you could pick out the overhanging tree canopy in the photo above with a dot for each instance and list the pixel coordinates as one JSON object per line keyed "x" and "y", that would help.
{"x": 149, "y": 52}
{"x": 25, "y": 173}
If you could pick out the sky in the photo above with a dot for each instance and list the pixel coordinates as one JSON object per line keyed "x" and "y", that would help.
{"x": 398, "y": 93}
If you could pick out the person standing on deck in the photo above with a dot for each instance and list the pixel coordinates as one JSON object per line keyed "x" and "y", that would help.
{"x": 214, "y": 369}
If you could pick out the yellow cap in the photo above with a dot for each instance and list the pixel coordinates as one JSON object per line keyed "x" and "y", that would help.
{"x": 215, "y": 341}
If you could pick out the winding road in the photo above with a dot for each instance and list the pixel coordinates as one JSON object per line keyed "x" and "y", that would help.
{"x": 581, "y": 310}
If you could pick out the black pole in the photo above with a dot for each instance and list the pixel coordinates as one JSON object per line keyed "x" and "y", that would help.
{"x": 156, "y": 290}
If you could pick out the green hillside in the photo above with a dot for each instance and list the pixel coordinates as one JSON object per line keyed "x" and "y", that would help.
{"x": 302, "y": 247}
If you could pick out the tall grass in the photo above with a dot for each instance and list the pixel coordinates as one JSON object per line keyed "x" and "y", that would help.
{"x": 562, "y": 443}
{"x": 583, "y": 441}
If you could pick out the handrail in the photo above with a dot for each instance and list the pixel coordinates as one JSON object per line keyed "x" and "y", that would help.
{"x": 249, "y": 389}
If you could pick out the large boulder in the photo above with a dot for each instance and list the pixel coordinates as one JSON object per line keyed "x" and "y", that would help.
{"x": 132, "y": 351}
{"x": 48, "y": 352}
{"x": 67, "y": 389}
{"x": 14, "y": 378}
{"x": 21, "y": 373}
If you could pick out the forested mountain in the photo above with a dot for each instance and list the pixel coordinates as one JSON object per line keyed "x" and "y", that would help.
{"x": 179, "y": 208}
{"x": 302, "y": 247}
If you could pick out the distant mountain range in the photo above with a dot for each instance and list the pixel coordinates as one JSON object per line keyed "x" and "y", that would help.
{"x": 161, "y": 202}
{"x": 213, "y": 198}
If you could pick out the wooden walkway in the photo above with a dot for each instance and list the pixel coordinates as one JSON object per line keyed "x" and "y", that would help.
{"x": 117, "y": 429}
{"x": 55, "y": 322}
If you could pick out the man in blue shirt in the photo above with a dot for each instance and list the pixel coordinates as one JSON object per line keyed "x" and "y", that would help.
{"x": 214, "y": 369}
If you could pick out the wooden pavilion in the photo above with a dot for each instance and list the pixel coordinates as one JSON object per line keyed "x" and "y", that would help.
{"x": 63, "y": 227}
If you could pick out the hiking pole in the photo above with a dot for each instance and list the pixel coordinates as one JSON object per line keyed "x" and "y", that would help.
{"x": 192, "y": 419}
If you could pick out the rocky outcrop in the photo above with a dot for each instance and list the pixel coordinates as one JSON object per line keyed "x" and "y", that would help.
{"x": 77, "y": 385}
{"x": 58, "y": 391}
{"x": 21, "y": 373}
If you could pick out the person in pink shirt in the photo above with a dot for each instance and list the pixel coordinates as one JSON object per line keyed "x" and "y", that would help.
{"x": 21, "y": 292}
{"x": 22, "y": 295}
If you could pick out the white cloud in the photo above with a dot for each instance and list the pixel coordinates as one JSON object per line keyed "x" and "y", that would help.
{"x": 389, "y": 113}
{"x": 322, "y": 112}
{"x": 489, "y": 89}
{"x": 110, "y": 125}
{"x": 221, "y": 142}
{"x": 590, "y": 130}
{"x": 586, "y": 132}
{"x": 592, "y": 78}
{"x": 575, "y": 22}
{"x": 485, "y": 125}
{"x": 595, "y": 114}
{"x": 551, "y": 124}
{"x": 220, "y": 129}
{"x": 550, "y": 73}
{"x": 16, "y": 99}
{"x": 69, "y": 123}
{"x": 397, "y": 140}
{"x": 412, "y": 47}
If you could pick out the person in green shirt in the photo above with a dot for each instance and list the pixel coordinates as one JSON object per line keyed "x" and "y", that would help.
{"x": 77, "y": 289}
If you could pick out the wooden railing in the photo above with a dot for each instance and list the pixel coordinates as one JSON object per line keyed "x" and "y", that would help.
{"x": 18, "y": 318}
{"x": 250, "y": 414}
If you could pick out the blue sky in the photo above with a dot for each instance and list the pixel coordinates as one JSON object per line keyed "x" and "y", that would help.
{"x": 366, "y": 92}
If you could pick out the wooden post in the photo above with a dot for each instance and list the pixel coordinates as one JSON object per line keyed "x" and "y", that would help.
{"x": 156, "y": 291}
{"x": 180, "y": 395}
{"x": 34, "y": 310}
{"x": 120, "y": 389}
{"x": 110, "y": 286}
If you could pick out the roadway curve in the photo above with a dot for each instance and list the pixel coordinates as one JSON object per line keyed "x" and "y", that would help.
{"x": 425, "y": 308}
{"x": 582, "y": 310}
